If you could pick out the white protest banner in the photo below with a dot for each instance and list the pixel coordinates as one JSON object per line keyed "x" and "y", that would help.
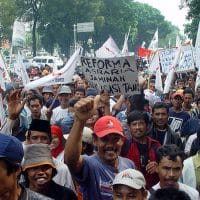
{"x": 66, "y": 77}
{"x": 154, "y": 42}
{"x": 187, "y": 60}
{"x": 18, "y": 37}
{"x": 117, "y": 75}
{"x": 166, "y": 59}
{"x": 2, "y": 112}
{"x": 158, "y": 83}
{"x": 2, "y": 81}
{"x": 197, "y": 43}
{"x": 154, "y": 63}
{"x": 172, "y": 69}
{"x": 6, "y": 77}
{"x": 197, "y": 53}
{"x": 69, "y": 67}
{"x": 108, "y": 50}
{"x": 21, "y": 69}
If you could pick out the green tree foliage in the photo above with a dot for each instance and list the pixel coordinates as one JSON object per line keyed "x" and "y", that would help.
{"x": 53, "y": 21}
{"x": 194, "y": 16}
{"x": 149, "y": 19}
{"x": 7, "y": 17}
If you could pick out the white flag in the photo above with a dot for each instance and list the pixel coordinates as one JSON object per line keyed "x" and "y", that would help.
{"x": 6, "y": 77}
{"x": 158, "y": 83}
{"x": 153, "y": 63}
{"x": 178, "y": 41}
{"x": 154, "y": 42}
{"x": 18, "y": 37}
{"x": 22, "y": 69}
{"x": 197, "y": 43}
{"x": 108, "y": 50}
{"x": 69, "y": 69}
{"x": 2, "y": 112}
{"x": 124, "y": 51}
{"x": 172, "y": 69}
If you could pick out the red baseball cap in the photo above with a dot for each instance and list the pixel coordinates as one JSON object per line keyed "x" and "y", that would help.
{"x": 107, "y": 125}
{"x": 177, "y": 94}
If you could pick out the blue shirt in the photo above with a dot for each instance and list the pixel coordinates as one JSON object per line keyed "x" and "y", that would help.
{"x": 177, "y": 119}
{"x": 96, "y": 177}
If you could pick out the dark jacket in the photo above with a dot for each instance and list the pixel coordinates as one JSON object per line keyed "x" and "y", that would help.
{"x": 172, "y": 137}
{"x": 58, "y": 192}
{"x": 27, "y": 194}
{"x": 130, "y": 150}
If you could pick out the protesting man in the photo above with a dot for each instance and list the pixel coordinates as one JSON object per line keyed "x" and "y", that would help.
{"x": 95, "y": 173}
{"x": 141, "y": 149}
{"x": 169, "y": 169}
{"x": 160, "y": 130}
{"x": 11, "y": 155}
{"x": 129, "y": 184}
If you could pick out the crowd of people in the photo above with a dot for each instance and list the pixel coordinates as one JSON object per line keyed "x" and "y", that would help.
{"x": 74, "y": 142}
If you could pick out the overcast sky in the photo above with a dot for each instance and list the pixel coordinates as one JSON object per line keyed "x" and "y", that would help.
{"x": 170, "y": 9}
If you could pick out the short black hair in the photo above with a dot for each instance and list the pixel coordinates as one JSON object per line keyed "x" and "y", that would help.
{"x": 169, "y": 194}
{"x": 41, "y": 126}
{"x": 35, "y": 97}
{"x": 159, "y": 105}
{"x": 198, "y": 100}
{"x": 137, "y": 102}
{"x": 80, "y": 89}
{"x": 72, "y": 102}
{"x": 179, "y": 80}
{"x": 11, "y": 167}
{"x": 26, "y": 180}
{"x": 188, "y": 91}
{"x": 171, "y": 151}
{"x": 137, "y": 115}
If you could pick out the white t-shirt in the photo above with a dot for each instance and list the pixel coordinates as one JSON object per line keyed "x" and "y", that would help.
{"x": 189, "y": 142}
{"x": 58, "y": 114}
{"x": 193, "y": 194}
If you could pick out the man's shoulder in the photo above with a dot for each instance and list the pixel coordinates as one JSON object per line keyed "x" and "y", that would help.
{"x": 189, "y": 190}
{"x": 36, "y": 196}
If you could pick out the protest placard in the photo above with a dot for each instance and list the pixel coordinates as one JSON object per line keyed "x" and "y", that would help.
{"x": 117, "y": 75}
{"x": 166, "y": 59}
{"x": 187, "y": 61}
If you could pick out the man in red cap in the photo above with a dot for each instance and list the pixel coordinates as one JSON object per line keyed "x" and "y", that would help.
{"x": 177, "y": 116}
{"x": 95, "y": 173}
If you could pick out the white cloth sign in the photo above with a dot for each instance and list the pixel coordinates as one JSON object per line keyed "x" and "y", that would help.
{"x": 68, "y": 70}
{"x": 117, "y": 75}
{"x": 2, "y": 112}
{"x": 18, "y": 37}
{"x": 166, "y": 59}
{"x": 108, "y": 50}
{"x": 187, "y": 61}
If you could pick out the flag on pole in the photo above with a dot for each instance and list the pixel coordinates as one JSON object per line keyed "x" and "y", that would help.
{"x": 68, "y": 69}
{"x": 18, "y": 37}
{"x": 2, "y": 112}
{"x": 22, "y": 69}
{"x": 172, "y": 69}
{"x": 6, "y": 77}
{"x": 197, "y": 43}
{"x": 154, "y": 42}
{"x": 158, "y": 83}
{"x": 142, "y": 52}
{"x": 178, "y": 41}
{"x": 108, "y": 50}
{"x": 124, "y": 51}
{"x": 143, "y": 44}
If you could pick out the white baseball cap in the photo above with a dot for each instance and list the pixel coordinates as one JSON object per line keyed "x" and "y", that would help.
{"x": 130, "y": 177}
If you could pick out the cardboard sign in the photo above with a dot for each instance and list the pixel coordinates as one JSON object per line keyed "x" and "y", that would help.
{"x": 166, "y": 59}
{"x": 117, "y": 75}
{"x": 187, "y": 61}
